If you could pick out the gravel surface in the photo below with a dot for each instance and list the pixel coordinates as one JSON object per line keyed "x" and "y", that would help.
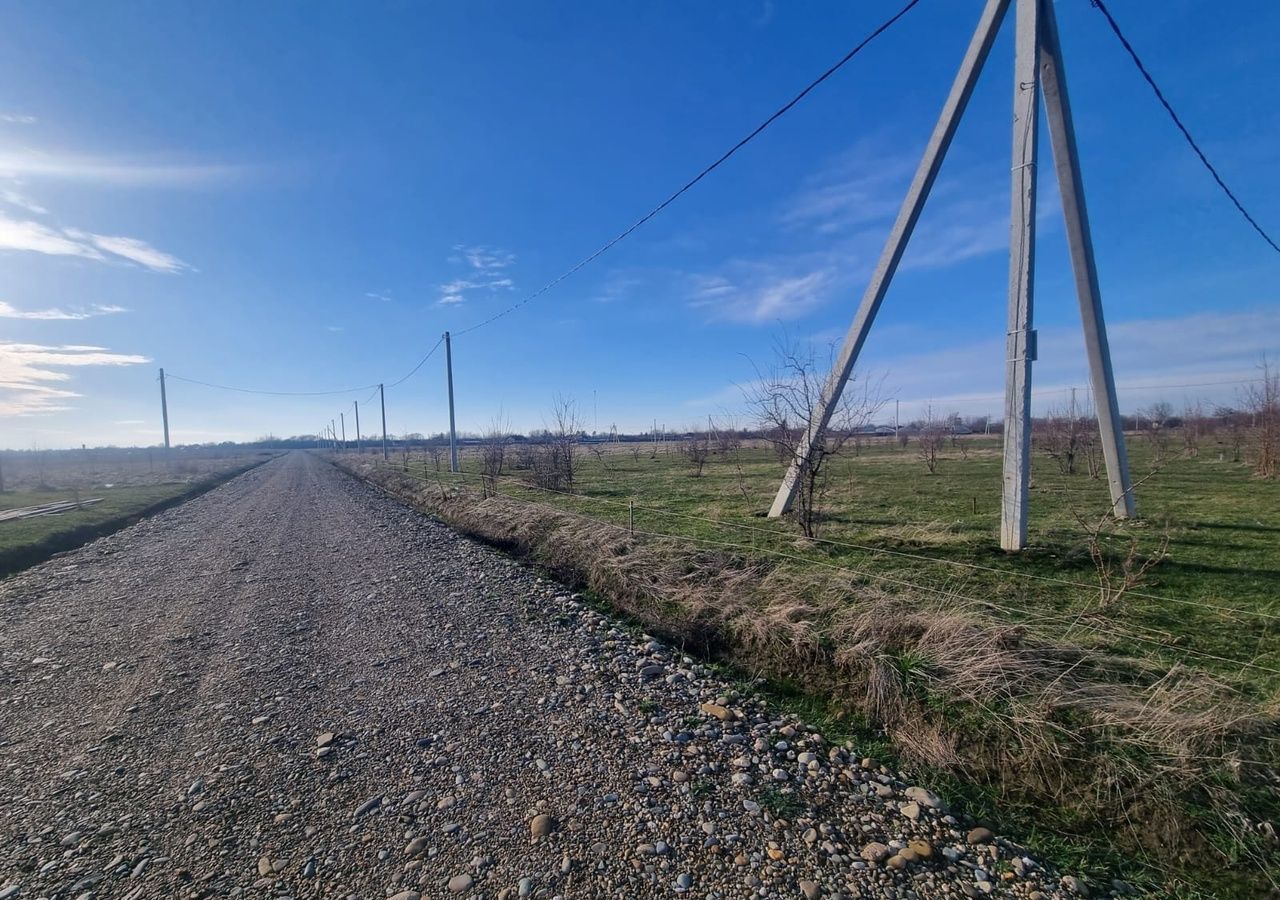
{"x": 296, "y": 686}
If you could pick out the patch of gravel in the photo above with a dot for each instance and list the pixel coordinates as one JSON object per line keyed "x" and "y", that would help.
{"x": 294, "y": 686}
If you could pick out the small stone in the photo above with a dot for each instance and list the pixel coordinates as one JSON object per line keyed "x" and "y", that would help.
{"x": 325, "y": 739}
{"x": 920, "y": 848}
{"x": 368, "y": 806}
{"x": 264, "y": 867}
{"x": 684, "y": 881}
{"x": 927, "y": 798}
{"x": 541, "y": 826}
{"x": 874, "y": 852}
{"x": 679, "y": 776}
{"x": 416, "y": 847}
{"x": 896, "y": 862}
{"x": 718, "y": 711}
{"x": 811, "y": 890}
{"x": 980, "y": 836}
{"x": 460, "y": 883}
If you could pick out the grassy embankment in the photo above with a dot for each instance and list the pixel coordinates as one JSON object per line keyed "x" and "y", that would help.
{"x": 1147, "y": 725}
{"x": 26, "y": 542}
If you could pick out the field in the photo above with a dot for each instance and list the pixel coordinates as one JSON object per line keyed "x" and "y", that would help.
{"x": 1173, "y": 698}
{"x": 127, "y": 484}
{"x": 1211, "y": 601}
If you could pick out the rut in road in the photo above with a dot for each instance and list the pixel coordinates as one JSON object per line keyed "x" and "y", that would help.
{"x": 296, "y": 686}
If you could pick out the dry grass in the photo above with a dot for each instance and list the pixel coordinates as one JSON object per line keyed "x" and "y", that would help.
{"x": 1113, "y": 742}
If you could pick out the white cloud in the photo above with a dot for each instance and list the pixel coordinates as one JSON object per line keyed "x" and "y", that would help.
{"x": 30, "y": 375}
{"x": 760, "y": 292}
{"x": 486, "y": 263}
{"x": 139, "y": 252}
{"x": 17, "y": 119}
{"x": 384, "y": 296}
{"x": 9, "y": 311}
{"x": 36, "y": 237}
{"x": 22, "y": 201}
{"x": 485, "y": 259}
{"x": 335, "y": 329}
{"x": 131, "y": 173}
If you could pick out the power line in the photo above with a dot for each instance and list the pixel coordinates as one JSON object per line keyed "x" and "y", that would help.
{"x": 420, "y": 364}
{"x": 1133, "y": 54}
{"x": 240, "y": 390}
{"x": 781, "y": 111}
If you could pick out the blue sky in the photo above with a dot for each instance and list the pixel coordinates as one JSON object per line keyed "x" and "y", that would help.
{"x": 303, "y": 196}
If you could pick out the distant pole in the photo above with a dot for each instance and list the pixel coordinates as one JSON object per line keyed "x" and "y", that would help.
{"x": 164, "y": 410}
{"x": 453, "y": 432}
{"x": 342, "y": 417}
{"x": 896, "y": 420}
{"x": 357, "y": 426}
{"x": 333, "y": 433}
{"x": 382, "y": 398}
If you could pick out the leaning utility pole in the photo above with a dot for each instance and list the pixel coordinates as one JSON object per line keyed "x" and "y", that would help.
{"x": 357, "y": 403}
{"x": 453, "y": 433}
{"x": 1037, "y": 68}
{"x": 164, "y": 410}
{"x": 382, "y": 398}
{"x": 342, "y": 417}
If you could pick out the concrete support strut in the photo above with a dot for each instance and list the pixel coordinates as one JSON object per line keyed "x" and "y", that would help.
{"x": 1038, "y": 68}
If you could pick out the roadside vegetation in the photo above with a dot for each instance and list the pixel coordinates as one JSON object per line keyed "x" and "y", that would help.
{"x": 106, "y": 489}
{"x": 1110, "y": 694}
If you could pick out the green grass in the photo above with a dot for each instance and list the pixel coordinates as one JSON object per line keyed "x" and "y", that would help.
{"x": 25, "y": 542}
{"x": 1222, "y": 525}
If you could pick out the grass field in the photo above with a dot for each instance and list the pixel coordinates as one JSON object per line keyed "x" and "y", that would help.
{"x": 940, "y": 533}
{"x": 127, "y": 483}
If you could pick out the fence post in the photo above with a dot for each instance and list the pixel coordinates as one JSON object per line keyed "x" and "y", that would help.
{"x": 631, "y": 517}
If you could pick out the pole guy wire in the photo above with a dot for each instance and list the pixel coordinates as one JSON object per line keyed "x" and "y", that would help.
{"x": 1137, "y": 61}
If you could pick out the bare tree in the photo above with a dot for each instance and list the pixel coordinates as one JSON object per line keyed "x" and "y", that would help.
{"x": 931, "y": 434}
{"x": 1157, "y": 416}
{"x": 1195, "y": 424}
{"x": 696, "y": 449}
{"x": 1262, "y": 400}
{"x": 555, "y": 460}
{"x": 493, "y": 453}
{"x": 785, "y": 399}
{"x": 1062, "y": 436}
{"x": 435, "y": 449}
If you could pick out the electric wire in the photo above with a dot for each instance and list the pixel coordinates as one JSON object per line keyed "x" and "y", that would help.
{"x": 1137, "y": 61}
{"x": 240, "y": 390}
{"x": 781, "y": 111}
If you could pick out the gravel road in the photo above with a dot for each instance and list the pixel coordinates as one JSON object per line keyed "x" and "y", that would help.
{"x": 294, "y": 686}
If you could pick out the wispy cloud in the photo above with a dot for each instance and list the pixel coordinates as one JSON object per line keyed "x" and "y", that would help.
{"x": 383, "y": 296}
{"x": 9, "y": 311}
{"x": 335, "y": 329}
{"x": 484, "y": 259}
{"x": 17, "y": 119}
{"x": 118, "y": 172}
{"x": 486, "y": 264}
{"x": 32, "y": 380}
{"x": 760, "y": 292}
{"x": 21, "y": 201}
{"x": 36, "y": 237}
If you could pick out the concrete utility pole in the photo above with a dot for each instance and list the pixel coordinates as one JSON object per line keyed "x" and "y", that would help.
{"x": 357, "y": 403}
{"x": 453, "y": 433}
{"x": 1020, "y": 340}
{"x": 342, "y": 418}
{"x": 1037, "y": 66}
{"x": 164, "y": 410}
{"x": 382, "y": 398}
